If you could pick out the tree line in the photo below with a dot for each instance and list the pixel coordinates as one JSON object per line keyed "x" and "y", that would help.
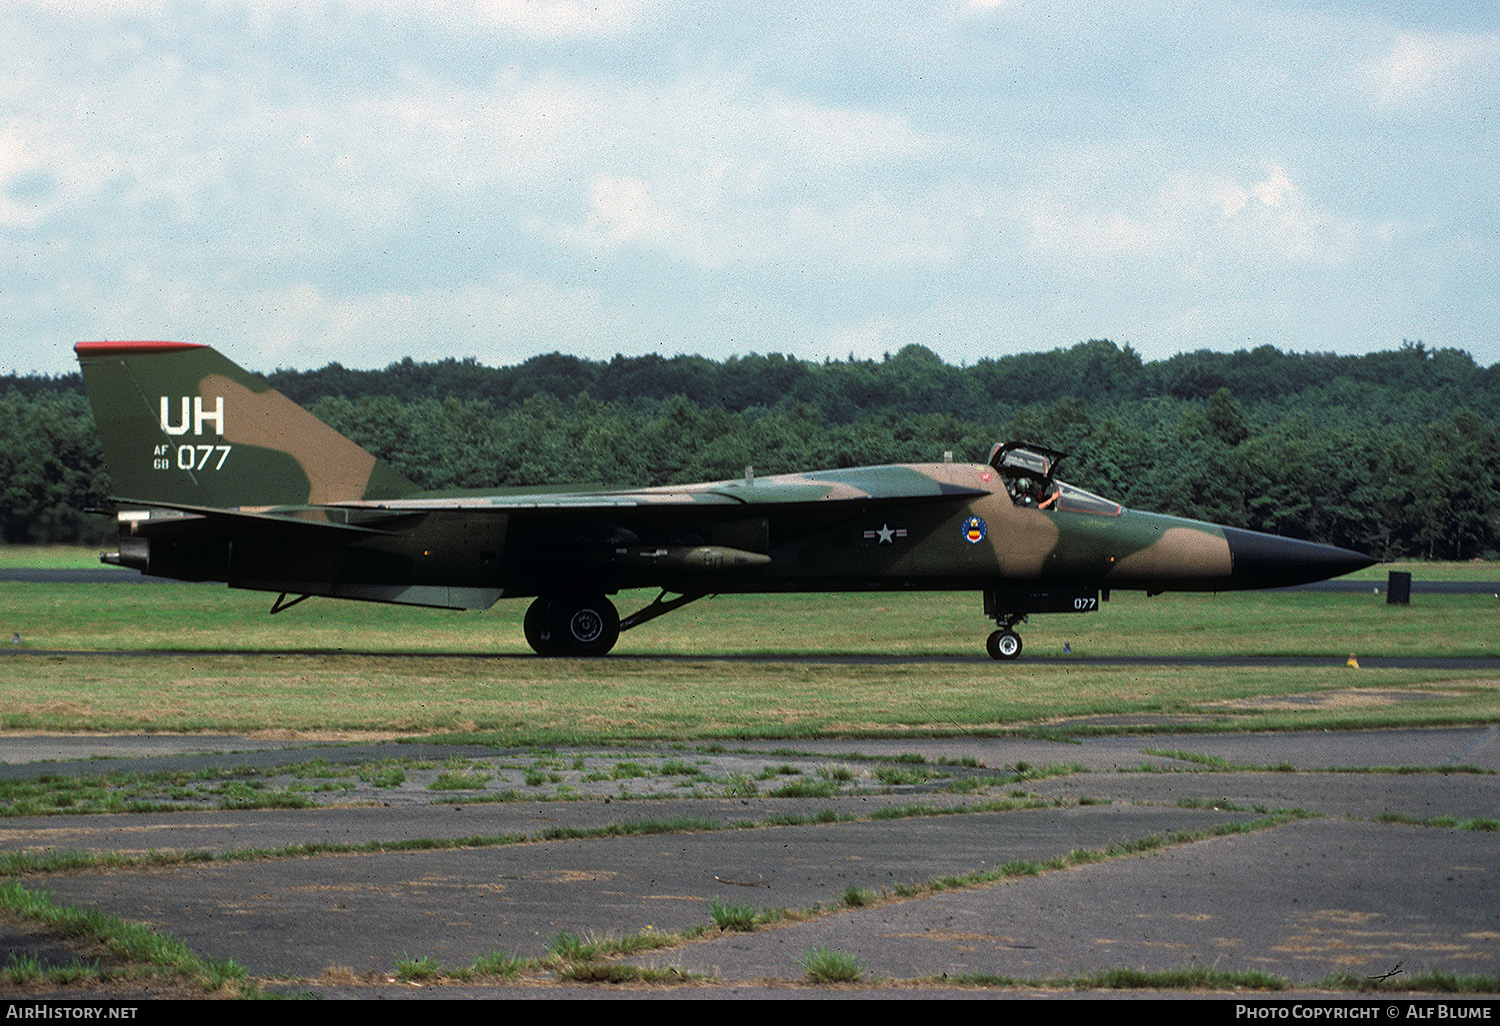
{"x": 1395, "y": 453}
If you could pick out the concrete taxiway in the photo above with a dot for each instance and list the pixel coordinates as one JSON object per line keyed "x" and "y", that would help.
{"x": 1382, "y": 869}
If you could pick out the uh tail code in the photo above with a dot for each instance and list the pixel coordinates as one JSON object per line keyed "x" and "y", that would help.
{"x": 193, "y": 416}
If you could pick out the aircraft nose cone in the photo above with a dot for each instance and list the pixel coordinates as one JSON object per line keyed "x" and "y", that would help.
{"x": 1267, "y": 561}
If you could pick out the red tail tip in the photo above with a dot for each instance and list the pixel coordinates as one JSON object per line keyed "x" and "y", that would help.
{"x": 130, "y": 348}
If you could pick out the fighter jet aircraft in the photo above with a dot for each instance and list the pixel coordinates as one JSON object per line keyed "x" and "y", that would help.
{"x": 218, "y": 477}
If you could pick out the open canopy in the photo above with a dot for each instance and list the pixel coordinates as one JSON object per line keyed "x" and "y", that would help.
{"x": 1029, "y": 472}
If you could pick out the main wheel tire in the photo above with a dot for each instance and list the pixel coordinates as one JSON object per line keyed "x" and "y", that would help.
{"x": 1004, "y": 644}
{"x": 572, "y": 626}
{"x": 590, "y": 627}
{"x": 539, "y": 629}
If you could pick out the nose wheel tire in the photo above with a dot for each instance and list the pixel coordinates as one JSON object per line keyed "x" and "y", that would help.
{"x": 1004, "y": 644}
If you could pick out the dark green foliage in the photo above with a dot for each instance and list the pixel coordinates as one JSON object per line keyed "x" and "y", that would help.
{"x": 1395, "y": 453}
{"x": 51, "y": 468}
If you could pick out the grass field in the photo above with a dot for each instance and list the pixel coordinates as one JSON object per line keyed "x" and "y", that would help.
{"x": 354, "y": 667}
{"x": 170, "y": 657}
{"x": 199, "y": 617}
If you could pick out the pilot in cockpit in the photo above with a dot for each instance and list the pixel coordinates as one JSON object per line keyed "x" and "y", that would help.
{"x": 1033, "y": 493}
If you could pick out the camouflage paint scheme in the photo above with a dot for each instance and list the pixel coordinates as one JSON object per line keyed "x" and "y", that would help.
{"x": 219, "y": 477}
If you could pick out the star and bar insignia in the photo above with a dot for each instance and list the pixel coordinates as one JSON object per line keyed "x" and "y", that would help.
{"x": 885, "y": 534}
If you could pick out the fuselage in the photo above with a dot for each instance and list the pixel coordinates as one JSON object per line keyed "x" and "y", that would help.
{"x": 784, "y": 533}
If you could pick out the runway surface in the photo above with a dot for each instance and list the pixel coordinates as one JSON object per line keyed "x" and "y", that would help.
{"x": 1380, "y": 869}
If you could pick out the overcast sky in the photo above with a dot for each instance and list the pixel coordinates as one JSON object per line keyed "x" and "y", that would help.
{"x": 303, "y": 182}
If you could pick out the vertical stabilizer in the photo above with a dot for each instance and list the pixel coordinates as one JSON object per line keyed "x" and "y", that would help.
{"x": 183, "y": 425}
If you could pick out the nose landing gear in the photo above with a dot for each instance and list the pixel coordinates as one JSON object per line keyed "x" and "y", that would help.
{"x": 1005, "y": 643}
{"x": 1004, "y": 605}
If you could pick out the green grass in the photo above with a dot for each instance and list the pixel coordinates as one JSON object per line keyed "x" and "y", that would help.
{"x": 327, "y": 665}
{"x": 207, "y": 617}
{"x": 332, "y": 666}
{"x": 738, "y": 918}
{"x": 201, "y": 617}
{"x": 541, "y": 702}
{"x": 1420, "y": 570}
{"x": 49, "y": 557}
{"x": 88, "y": 693}
{"x": 827, "y": 966}
{"x": 133, "y": 950}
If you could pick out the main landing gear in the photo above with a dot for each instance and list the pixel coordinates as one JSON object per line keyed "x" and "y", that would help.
{"x": 572, "y": 626}
{"x": 588, "y": 625}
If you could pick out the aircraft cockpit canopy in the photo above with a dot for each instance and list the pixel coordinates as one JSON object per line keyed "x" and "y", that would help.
{"x": 1028, "y": 472}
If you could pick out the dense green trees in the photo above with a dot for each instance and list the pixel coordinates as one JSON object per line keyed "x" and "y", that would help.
{"x": 1395, "y": 453}
{"x": 51, "y": 469}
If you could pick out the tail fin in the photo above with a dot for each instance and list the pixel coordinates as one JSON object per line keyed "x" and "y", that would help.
{"x": 182, "y": 425}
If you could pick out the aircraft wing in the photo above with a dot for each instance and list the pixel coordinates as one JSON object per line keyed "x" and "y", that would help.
{"x": 824, "y": 490}
{"x": 864, "y": 485}
{"x": 350, "y": 521}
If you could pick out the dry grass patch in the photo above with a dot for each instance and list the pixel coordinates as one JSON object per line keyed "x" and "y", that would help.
{"x": 540, "y": 701}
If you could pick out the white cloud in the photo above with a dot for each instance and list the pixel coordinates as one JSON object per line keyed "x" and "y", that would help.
{"x": 1270, "y": 222}
{"x": 1069, "y": 234}
{"x": 1193, "y": 222}
{"x": 492, "y": 320}
{"x": 1428, "y": 67}
{"x": 30, "y": 187}
{"x": 560, "y": 173}
{"x": 720, "y": 176}
{"x": 547, "y": 18}
{"x": 870, "y": 230}
{"x": 623, "y": 212}
{"x": 539, "y": 19}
